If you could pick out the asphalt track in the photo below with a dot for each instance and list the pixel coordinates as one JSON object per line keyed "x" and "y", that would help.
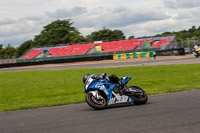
{"x": 166, "y": 113}
{"x": 110, "y": 64}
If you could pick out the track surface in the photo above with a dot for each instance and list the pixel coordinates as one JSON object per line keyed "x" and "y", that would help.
{"x": 166, "y": 113}
{"x": 111, "y": 63}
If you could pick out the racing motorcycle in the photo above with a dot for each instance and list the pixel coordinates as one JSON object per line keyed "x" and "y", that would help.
{"x": 196, "y": 53}
{"x": 102, "y": 92}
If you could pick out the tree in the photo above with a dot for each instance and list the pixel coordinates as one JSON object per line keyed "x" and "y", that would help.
{"x": 8, "y": 52}
{"x": 58, "y": 32}
{"x": 2, "y": 53}
{"x": 24, "y": 47}
{"x": 192, "y": 29}
{"x": 131, "y": 37}
{"x": 106, "y": 34}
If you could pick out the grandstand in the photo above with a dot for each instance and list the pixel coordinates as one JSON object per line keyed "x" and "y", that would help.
{"x": 112, "y": 46}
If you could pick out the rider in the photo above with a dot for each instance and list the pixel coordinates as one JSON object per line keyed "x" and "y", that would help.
{"x": 113, "y": 78}
{"x": 196, "y": 47}
{"x": 100, "y": 76}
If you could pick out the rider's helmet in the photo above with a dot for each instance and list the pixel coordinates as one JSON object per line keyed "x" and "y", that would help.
{"x": 85, "y": 77}
{"x": 113, "y": 78}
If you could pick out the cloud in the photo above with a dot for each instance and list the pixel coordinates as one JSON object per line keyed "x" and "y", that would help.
{"x": 6, "y": 21}
{"x": 63, "y": 13}
{"x": 125, "y": 16}
{"x": 17, "y": 31}
{"x": 150, "y": 28}
{"x": 22, "y": 25}
{"x": 120, "y": 16}
{"x": 21, "y": 20}
{"x": 181, "y": 3}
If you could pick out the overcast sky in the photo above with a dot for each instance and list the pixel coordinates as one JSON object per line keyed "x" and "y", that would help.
{"x": 21, "y": 20}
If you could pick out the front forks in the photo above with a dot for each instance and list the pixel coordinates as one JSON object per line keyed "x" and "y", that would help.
{"x": 96, "y": 94}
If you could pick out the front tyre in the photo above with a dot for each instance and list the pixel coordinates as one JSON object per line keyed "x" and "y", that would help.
{"x": 196, "y": 54}
{"x": 139, "y": 98}
{"x": 96, "y": 103}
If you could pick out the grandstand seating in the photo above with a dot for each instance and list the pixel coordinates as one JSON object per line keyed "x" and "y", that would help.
{"x": 33, "y": 54}
{"x": 112, "y": 46}
{"x": 70, "y": 50}
{"x": 162, "y": 42}
{"x": 156, "y": 45}
{"x": 120, "y": 45}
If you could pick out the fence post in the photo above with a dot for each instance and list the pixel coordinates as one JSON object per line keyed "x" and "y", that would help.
{"x": 194, "y": 42}
{"x": 182, "y": 44}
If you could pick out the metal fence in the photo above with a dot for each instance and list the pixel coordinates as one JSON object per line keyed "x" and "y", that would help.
{"x": 7, "y": 61}
{"x": 188, "y": 45}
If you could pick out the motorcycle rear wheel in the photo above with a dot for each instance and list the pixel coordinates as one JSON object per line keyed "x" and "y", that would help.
{"x": 96, "y": 103}
{"x": 139, "y": 99}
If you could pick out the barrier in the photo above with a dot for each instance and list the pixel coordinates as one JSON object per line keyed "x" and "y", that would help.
{"x": 119, "y": 56}
{"x": 138, "y": 54}
{"x": 143, "y": 54}
{"x": 151, "y": 53}
{"x": 133, "y": 55}
{"x": 177, "y": 51}
{"x": 123, "y": 56}
{"x": 115, "y": 57}
{"x": 147, "y": 54}
{"x": 128, "y": 56}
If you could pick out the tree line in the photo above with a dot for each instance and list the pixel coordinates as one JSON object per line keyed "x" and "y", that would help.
{"x": 62, "y": 32}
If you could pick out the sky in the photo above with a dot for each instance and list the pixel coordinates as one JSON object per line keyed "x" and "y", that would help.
{"x": 21, "y": 20}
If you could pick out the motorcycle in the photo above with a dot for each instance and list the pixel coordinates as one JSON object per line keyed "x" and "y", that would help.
{"x": 196, "y": 53}
{"x": 100, "y": 93}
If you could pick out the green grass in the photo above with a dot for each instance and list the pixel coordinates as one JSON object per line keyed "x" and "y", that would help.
{"x": 31, "y": 89}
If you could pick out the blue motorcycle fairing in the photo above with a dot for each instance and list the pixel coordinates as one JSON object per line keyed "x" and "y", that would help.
{"x": 126, "y": 79}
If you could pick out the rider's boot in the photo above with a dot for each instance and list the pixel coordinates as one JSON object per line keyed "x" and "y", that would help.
{"x": 123, "y": 89}
{"x": 121, "y": 92}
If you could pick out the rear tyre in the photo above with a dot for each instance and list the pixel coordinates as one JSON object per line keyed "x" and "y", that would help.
{"x": 142, "y": 98}
{"x": 96, "y": 103}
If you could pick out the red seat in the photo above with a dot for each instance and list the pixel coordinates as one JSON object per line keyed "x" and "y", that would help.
{"x": 33, "y": 54}
{"x": 162, "y": 42}
{"x": 70, "y": 50}
{"x": 120, "y": 45}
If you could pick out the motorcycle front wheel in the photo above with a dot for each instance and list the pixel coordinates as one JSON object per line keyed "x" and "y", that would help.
{"x": 196, "y": 54}
{"x": 96, "y": 103}
{"x": 140, "y": 98}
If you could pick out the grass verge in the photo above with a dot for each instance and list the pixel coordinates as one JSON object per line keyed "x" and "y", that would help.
{"x": 32, "y": 89}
